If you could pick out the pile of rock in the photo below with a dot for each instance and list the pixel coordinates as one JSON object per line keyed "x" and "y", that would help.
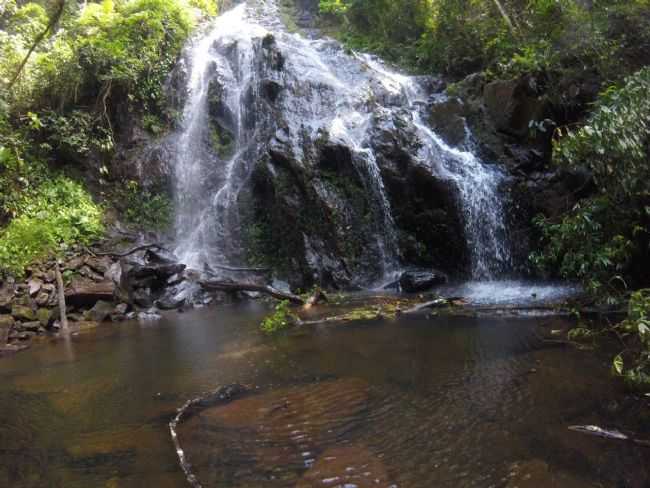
{"x": 98, "y": 288}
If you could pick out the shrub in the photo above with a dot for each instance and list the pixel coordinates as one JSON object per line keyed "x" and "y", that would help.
{"x": 596, "y": 241}
{"x": 58, "y": 212}
{"x": 636, "y": 373}
{"x": 279, "y": 320}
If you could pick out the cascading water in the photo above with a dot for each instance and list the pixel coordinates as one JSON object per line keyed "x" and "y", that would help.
{"x": 325, "y": 93}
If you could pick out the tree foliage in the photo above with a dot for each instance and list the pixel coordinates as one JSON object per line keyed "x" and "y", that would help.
{"x": 93, "y": 64}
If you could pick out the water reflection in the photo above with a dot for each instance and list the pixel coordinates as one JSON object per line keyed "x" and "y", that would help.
{"x": 440, "y": 402}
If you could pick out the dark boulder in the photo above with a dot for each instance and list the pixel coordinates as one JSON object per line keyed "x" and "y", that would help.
{"x": 23, "y": 312}
{"x": 513, "y": 104}
{"x": 100, "y": 312}
{"x": 418, "y": 281}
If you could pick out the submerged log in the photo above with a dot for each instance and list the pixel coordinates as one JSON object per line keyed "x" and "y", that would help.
{"x": 233, "y": 287}
{"x": 611, "y": 434}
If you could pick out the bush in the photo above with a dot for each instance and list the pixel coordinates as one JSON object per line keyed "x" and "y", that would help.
{"x": 58, "y": 212}
{"x": 636, "y": 373}
{"x": 279, "y": 320}
{"x": 598, "y": 240}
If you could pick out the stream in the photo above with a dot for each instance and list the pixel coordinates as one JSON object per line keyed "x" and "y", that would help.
{"x": 417, "y": 402}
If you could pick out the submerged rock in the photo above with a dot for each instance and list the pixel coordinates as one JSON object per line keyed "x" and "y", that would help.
{"x": 348, "y": 466}
{"x": 276, "y": 432}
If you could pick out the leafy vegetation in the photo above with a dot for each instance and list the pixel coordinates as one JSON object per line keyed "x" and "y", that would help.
{"x": 56, "y": 213}
{"x": 458, "y": 37}
{"x": 633, "y": 365}
{"x": 70, "y": 76}
{"x": 603, "y": 235}
{"x": 281, "y": 319}
{"x": 143, "y": 207}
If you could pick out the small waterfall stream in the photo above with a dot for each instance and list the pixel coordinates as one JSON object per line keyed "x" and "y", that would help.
{"x": 327, "y": 93}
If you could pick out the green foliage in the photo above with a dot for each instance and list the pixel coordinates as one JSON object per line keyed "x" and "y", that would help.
{"x": 614, "y": 141}
{"x": 144, "y": 207}
{"x": 587, "y": 245}
{"x": 57, "y": 212}
{"x": 596, "y": 241}
{"x": 281, "y": 319}
{"x": 636, "y": 369}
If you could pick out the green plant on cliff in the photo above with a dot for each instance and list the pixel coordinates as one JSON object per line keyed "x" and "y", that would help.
{"x": 281, "y": 319}
{"x": 601, "y": 236}
{"x": 143, "y": 207}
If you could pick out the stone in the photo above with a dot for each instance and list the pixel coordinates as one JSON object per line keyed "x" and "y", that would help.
{"x": 121, "y": 308}
{"x": 100, "y": 312}
{"x": 34, "y": 286}
{"x": 170, "y": 303}
{"x": 7, "y": 293}
{"x": 279, "y": 425}
{"x": 447, "y": 118}
{"x": 6, "y": 324}
{"x": 513, "y": 104}
{"x": 86, "y": 272}
{"x": 142, "y": 297}
{"x": 75, "y": 263}
{"x": 29, "y": 326}
{"x": 86, "y": 293}
{"x": 49, "y": 276}
{"x": 99, "y": 264}
{"x": 23, "y": 312}
{"x": 149, "y": 315}
{"x": 44, "y": 316}
{"x": 42, "y": 299}
{"x": 418, "y": 281}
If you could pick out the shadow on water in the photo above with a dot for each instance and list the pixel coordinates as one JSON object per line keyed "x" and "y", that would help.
{"x": 450, "y": 401}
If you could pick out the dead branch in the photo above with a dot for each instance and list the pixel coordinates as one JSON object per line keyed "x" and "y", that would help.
{"x": 233, "y": 287}
{"x": 128, "y": 253}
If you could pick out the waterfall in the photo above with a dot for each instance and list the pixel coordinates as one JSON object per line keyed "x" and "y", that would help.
{"x": 326, "y": 93}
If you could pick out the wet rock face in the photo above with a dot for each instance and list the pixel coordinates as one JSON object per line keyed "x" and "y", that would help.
{"x": 317, "y": 170}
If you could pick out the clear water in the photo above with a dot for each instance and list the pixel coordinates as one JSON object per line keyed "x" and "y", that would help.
{"x": 446, "y": 402}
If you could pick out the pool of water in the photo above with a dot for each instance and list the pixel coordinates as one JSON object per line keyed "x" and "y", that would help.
{"x": 410, "y": 402}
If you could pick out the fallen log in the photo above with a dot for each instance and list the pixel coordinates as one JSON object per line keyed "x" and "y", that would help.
{"x": 233, "y": 287}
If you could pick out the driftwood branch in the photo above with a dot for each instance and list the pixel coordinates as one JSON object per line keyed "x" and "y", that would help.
{"x": 61, "y": 295}
{"x": 128, "y": 253}
{"x": 50, "y": 27}
{"x": 232, "y": 287}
